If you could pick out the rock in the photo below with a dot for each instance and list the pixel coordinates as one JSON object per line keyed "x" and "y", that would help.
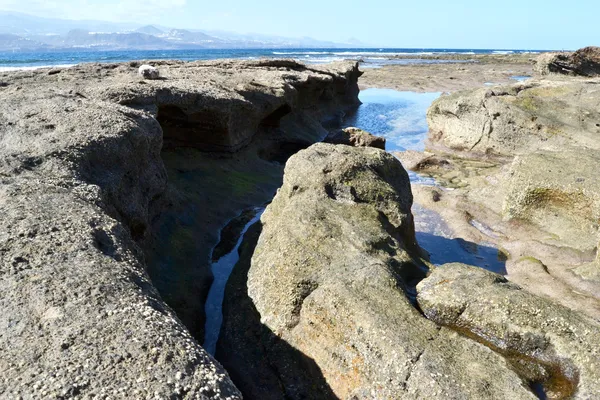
{"x": 88, "y": 209}
{"x": 583, "y": 62}
{"x": 355, "y": 137}
{"x": 559, "y": 192}
{"x": 79, "y": 314}
{"x": 552, "y": 344}
{"x": 516, "y": 119}
{"x": 422, "y": 161}
{"x": 522, "y": 161}
{"x": 327, "y": 312}
{"x": 148, "y": 72}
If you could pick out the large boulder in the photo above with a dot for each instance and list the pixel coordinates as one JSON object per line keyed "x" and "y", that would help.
{"x": 79, "y": 315}
{"x": 583, "y": 62}
{"x": 516, "y": 119}
{"x": 328, "y": 310}
{"x": 554, "y": 346}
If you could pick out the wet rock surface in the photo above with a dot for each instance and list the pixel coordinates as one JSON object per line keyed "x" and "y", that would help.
{"x": 323, "y": 306}
{"x": 84, "y": 190}
{"x": 549, "y": 343}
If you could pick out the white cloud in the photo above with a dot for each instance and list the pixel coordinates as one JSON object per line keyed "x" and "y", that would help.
{"x": 110, "y": 10}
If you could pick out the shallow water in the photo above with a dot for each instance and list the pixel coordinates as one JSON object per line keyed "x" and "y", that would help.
{"x": 214, "y": 303}
{"x": 434, "y": 235}
{"x": 400, "y": 117}
{"x": 520, "y": 78}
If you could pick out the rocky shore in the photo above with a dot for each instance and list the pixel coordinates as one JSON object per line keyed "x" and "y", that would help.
{"x": 449, "y": 72}
{"x": 119, "y": 192}
{"x": 111, "y": 204}
{"x": 521, "y": 161}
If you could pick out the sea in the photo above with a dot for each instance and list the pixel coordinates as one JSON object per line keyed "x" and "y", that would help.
{"x": 369, "y": 57}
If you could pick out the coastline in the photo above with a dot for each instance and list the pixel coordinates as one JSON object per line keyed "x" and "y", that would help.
{"x": 152, "y": 170}
{"x": 457, "y": 74}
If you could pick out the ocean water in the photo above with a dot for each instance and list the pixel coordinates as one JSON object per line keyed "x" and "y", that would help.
{"x": 369, "y": 57}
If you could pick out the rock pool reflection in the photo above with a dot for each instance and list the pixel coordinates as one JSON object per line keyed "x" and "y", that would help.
{"x": 399, "y": 116}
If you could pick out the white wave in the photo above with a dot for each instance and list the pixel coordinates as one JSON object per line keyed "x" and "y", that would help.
{"x": 31, "y": 68}
{"x": 300, "y": 53}
{"x": 363, "y": 53}
{"x": 503, "y": 52}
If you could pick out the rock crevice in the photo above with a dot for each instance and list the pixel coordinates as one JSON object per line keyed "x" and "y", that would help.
{"x": 84, "y": 189}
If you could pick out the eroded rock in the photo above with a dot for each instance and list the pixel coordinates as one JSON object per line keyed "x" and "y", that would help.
{"x": 516, "y": 119}
{"x": 79, "y": 314}
{"x": 327, "y": 310}
{"x": 559, "y": 192}
{"x": 583, "y": 62}
{"x": 356, "y": 137}
{"x": 552, "y": 344}
{"x": 84, "y": 188}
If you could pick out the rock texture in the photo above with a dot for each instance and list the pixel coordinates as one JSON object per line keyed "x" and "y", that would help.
{"x": 82, "y": 179}
{"x": 516, "y": 119}
{"x": 583, "y": 62}
{"x": 327, "y": 312}
{"x": 552, "y": 344}
{"x": 521, "y": 161}
{"x": 355, "y": 137}
{"x": 557, "y": 191}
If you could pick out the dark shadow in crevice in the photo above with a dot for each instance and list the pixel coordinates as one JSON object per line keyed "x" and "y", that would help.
{"x": 205, "y": 130}
{"x": 273, "y": 119}
{"x": 260, "y": 363}
{"x": 280, "y": 152}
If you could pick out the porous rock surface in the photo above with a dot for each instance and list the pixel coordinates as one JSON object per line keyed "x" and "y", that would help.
{"x": 517, "y": 119}
{"x": 583, "y": 62}
{"x": 81, "y": 178}
{"x": 558, "y": 191}
{"x": 561, "y": 347}
{"x": 325, "y": 297}
{"x": 355, "y": 137}
{"x": 521, "y": 160}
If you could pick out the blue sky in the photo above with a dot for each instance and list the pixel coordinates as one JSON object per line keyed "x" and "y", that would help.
{"x": 524, "y": 24}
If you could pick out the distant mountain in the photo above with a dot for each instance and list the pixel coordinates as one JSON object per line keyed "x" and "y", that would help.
{"x": 114, "y": 41}
{"x": 150, "y": 30}
{"x": 186, "y": 36}
{"x": 22, "y": 32}
{"x": 10, "y": 42}
{"x": 24, "y": 24}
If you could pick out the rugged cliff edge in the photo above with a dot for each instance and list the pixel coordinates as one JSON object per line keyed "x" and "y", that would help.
{"x": 84, "y": 190}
